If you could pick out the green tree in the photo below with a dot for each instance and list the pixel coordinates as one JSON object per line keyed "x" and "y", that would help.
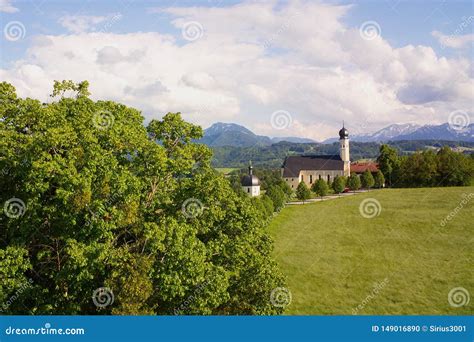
{"x": 268, "y": 205}
{"x": 379, "y": 179}
{"x": 320, "y": 188}
{"x": 367, "y": 180}
{"x": 96, "y": 199}
{"x": 302, "y": 192}
{"x": 419, "y": 169}
{"x": 389, "y": 163}
{"x": 339, "y": 184}
{"x": 278, "y": 197}
{"x": 353, "y": 182}
{"x": 453, "y": 168}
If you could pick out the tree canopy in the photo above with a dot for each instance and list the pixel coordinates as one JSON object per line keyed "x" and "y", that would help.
{"x": 302, "y": 192}
{"x": 367, "y": 179}
{"x": 96, "y": 200}
{"x": 353, "y": 182}
{"x": 320, "y": 188}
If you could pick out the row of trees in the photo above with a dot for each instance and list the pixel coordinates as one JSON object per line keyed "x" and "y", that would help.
{"x": 426, "y": 168}
{"x": 353, "y": 182}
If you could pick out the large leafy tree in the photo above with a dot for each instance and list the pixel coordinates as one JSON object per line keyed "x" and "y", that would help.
{"x": 389, "y": 163}
{"x": 93, "y": 199}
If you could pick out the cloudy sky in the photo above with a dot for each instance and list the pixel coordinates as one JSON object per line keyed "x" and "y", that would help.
{"x": 280, "y": 68}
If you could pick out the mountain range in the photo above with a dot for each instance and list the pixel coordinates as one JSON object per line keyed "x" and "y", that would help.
{"x": 230, "y": 134}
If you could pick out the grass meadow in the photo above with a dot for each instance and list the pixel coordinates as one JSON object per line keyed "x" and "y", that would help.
{"x": 403, "y": 261}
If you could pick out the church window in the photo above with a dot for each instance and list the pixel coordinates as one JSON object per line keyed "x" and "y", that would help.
{"x": 329, "y": 178}
{"x": 310, "y": 179}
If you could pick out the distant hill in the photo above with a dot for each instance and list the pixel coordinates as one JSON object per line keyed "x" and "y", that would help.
{"x": 230, "y": 134}
{"x": 272, "y": 156}
{"x": 293, "y": 140}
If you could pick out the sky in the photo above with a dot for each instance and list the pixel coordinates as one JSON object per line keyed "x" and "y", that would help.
{"x": 279, "y": 68}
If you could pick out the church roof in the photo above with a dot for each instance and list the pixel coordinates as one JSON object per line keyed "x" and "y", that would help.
{"x": 361, "y": 167}
{"x": 250, "y": 180}
{"x": 294, "y": 164}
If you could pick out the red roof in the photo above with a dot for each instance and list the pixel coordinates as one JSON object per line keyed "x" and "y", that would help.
{"x": 361, "y": 167}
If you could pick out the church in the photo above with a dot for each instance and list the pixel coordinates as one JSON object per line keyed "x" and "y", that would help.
{"x": 309, "y": 168}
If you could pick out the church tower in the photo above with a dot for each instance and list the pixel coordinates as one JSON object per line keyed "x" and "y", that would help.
{"x": 344, "y": 150}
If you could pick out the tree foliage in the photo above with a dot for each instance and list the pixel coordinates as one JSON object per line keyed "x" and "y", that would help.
{"x": 379, "y": 179}
{"x": 111, "y": 203}
{"x": 427, "y": 168}
{"x": 367, "y": 180}
{"x": 320, "y": 188}
{"x": 278, "y": 197}
{"x": 339, "y": 184}
{"x": 302, "y": 192}
{"x": 389, "y": 163}
{"x": 353, "y": 182}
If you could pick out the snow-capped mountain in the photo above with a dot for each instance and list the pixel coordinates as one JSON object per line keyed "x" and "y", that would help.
{"x": 440, "y": 132}
{"x": 388, "y": 133}
{"x": 230, "y": 134}
{"x": 413, "y": 132}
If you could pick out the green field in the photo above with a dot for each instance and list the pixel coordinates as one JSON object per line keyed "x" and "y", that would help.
{"x": 399, "y": 262}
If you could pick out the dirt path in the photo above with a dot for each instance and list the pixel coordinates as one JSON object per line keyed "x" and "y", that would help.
{"x": 330, "y": 197}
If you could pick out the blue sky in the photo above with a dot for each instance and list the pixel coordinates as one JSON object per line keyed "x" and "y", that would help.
{"x": 279, "y": 56}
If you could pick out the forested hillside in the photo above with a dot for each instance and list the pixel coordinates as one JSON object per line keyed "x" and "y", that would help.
{"x": 273, "y": 156}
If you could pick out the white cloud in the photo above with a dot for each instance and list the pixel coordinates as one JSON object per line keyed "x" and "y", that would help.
{"x": 455, "y": 41}
{"x": 86, "y": 23}
{"x": 7, "y": 7}
{"x": 253, "y": 59}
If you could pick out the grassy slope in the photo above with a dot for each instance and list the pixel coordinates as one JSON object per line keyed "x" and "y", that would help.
{"x": 333, "y": 256}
